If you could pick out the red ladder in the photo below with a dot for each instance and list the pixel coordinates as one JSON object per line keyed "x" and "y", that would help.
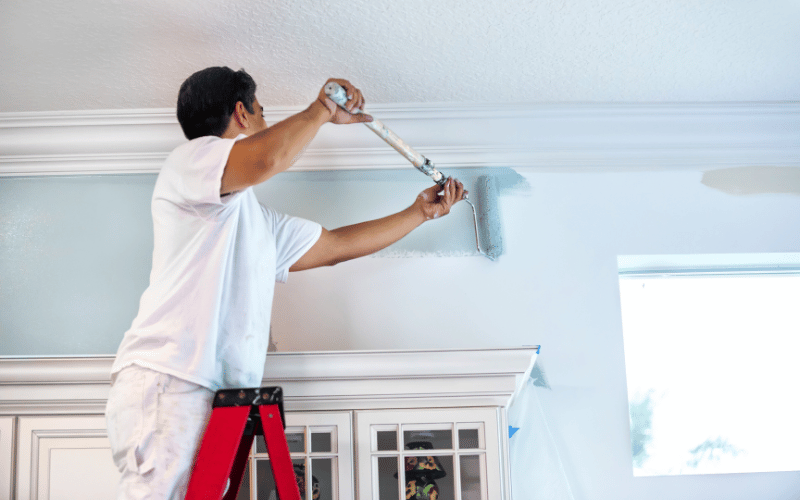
{"x": 237, "y": 416}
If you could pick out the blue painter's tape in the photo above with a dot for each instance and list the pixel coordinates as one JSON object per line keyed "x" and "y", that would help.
{"x": 511, "y": 431}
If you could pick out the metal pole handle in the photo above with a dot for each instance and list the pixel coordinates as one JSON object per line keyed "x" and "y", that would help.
{"x": 338, "y": 95}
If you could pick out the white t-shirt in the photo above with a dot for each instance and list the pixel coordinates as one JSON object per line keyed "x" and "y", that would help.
{"x": 205, "y": 316}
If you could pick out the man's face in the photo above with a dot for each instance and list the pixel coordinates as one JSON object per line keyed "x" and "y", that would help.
{"x": 256, "y": 120}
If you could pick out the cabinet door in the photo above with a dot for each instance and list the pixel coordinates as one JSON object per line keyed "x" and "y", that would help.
{"x": 429, "y": 454}
{"x": 6, "y": 455}
{"x": 321, "y": 447}
{"x": 64, "y": 458}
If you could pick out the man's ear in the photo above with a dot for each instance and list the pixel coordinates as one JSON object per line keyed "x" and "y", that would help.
{"x": 240, "y": 115}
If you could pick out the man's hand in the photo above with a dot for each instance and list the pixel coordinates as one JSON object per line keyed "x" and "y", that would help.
{"x": 436, "y": 201}
{"x": 355, "y": 103}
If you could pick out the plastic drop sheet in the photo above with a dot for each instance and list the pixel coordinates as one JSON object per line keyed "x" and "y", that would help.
{"x": 536, "y": 469}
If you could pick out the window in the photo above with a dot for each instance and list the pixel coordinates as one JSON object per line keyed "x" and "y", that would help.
{"x": 711, "y": 355}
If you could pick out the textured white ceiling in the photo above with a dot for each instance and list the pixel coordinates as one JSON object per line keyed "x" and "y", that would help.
{"x": 123, "y": 54}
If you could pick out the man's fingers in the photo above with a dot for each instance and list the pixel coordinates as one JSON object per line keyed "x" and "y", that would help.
{"x": 459, "y": 191}
{"x": 353, "y": 97}
{"x": 358, "y": 101}
{"x": 352, "y": 111}
{"x": 446, "y": 199}
{"x": 451, "y": 192}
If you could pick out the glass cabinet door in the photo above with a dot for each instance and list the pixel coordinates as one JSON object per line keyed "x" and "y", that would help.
{"x": 320, "y": 445}
{"x": 448, "y": 454}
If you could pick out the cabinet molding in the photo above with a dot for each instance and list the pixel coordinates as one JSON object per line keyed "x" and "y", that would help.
{"x": 328, "y": 380}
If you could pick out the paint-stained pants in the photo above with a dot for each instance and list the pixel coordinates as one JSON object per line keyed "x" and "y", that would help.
{"x": 155, "y": 425}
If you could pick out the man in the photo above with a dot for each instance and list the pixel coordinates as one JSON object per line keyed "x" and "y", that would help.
{"x": 203, "y": 322}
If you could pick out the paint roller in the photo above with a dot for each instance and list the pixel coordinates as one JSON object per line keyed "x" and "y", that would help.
{"x": 488, "y": 241}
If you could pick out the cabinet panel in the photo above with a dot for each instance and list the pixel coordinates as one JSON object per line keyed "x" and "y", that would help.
{"x": 321, "y": 447}
{"x": 63, "y": 458}
{"x": 6, "y": 455}
{"x": 429, "y": 454}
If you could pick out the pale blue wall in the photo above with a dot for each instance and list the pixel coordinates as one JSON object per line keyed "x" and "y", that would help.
{"x": 75, "y": 257}
{"x": 75, "y": 251}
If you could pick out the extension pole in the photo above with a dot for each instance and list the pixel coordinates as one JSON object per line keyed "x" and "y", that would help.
{"x": 338, "y": 95}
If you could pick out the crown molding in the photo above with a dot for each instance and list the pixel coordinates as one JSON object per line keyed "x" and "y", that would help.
{"x": 567, "y": 136}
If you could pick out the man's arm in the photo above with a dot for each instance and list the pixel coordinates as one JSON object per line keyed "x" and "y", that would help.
{"x": 267, "y": 152}
{"x": 362, "y": 239}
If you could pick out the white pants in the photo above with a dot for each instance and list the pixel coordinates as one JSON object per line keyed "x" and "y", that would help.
{"x": 155, "y": 425}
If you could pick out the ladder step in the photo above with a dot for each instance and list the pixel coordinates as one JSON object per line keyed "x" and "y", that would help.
{"x": 238, "y": 415}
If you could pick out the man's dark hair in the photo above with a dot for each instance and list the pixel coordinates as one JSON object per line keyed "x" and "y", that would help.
{"x": 208, "y": 98}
